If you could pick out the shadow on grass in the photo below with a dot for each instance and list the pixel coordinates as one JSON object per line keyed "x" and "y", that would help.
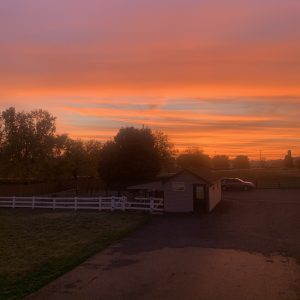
{"x": 114, "y": 227}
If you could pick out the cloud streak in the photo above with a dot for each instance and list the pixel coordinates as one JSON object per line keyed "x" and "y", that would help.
{"x": 216, "y": 126}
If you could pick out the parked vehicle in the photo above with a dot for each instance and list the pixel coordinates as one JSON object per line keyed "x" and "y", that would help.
{"x": 237, "y": 184}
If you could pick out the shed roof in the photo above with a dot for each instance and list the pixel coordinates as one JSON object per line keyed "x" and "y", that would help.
{"x": 203, "y": 174}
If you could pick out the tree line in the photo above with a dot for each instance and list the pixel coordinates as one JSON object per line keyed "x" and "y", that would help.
{"x": 31, "y": 149}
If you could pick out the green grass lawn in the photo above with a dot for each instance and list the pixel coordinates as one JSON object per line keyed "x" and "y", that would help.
{"x": 38, "y": 246}
{"x": 266, "y": 177}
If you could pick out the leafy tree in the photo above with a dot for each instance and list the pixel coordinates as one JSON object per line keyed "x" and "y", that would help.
{"x": 1, "y": 132}
{"x": 220, "y": 162}
{"x": 31, "y": 149}
{"x": 241, "y": 162}
{"x": 75, "y": 158}
{"x": 134, "y": 155}
{"x": 193, "y": 158}
{"x": 56, "y": 169}
{"x": 165, "y": 150}
{"x": 27, "y": 141}
{"x": 93, "y": 150}
{"x": 1, "y": 139}
{"x": 110, "y": 164}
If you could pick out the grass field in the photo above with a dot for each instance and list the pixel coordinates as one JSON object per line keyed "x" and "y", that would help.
{"x": 266, "y": 177}
{"x": 38, "y": 246}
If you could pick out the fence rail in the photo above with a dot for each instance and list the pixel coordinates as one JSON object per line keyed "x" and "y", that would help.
{"x": 152, "y": 205}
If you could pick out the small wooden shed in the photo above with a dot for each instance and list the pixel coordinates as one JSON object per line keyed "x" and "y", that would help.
{"x": 185, "y": 191}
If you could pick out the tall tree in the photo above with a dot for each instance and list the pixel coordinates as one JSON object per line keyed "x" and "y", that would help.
{"x": 220, "y": 162}
{"x": 93, "y": 150}
{"x": 28, "y": 139}
{"x": 30, "y": 148}
{"x": 57, "y": 169}
{"x": 1, "y": 138}
{"x": 165, "y": 150}
{"x": 134, "y": 155}
{"x": 75, "y": 157}
{"x": 193, "y": 158}
{"x": 241, "y": 162}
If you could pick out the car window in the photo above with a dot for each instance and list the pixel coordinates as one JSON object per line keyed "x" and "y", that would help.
{"x": 227, "y": 181}
{"x": 235, "y": 181}
{"x": 231, "y": 180}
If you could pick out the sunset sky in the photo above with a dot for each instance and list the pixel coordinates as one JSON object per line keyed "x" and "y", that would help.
{"x": 221, "y": 75}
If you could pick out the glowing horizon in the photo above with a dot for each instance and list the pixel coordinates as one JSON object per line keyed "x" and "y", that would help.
{"x": 221, "y": 76}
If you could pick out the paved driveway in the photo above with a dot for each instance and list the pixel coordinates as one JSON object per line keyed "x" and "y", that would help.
{"x": 246, "y": 249}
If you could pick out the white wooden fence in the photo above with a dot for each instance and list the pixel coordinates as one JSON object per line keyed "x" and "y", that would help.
{"x": 152, "y": 205}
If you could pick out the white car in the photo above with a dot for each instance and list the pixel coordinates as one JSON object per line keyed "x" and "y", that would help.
{"x": 236, "y": 184}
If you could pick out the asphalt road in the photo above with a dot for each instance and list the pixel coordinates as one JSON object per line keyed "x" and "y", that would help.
{"x": 248, "y": 248}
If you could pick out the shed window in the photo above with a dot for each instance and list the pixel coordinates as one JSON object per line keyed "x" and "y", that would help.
{"x": 178, "y": 186}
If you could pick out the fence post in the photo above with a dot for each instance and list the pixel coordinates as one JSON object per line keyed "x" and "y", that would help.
{"x": 14, "y": 202}
{"x": 151, "y": 204}
{"x": 54, "y": 203}
{"x": 112, "y": 203}
{"x": 99, "y": 203}
{"x": 33, "y": 202}
{"x": 75, "y": 203}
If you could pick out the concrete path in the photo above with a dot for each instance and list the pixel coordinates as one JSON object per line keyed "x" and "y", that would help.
{"x": 234, "y": 253}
